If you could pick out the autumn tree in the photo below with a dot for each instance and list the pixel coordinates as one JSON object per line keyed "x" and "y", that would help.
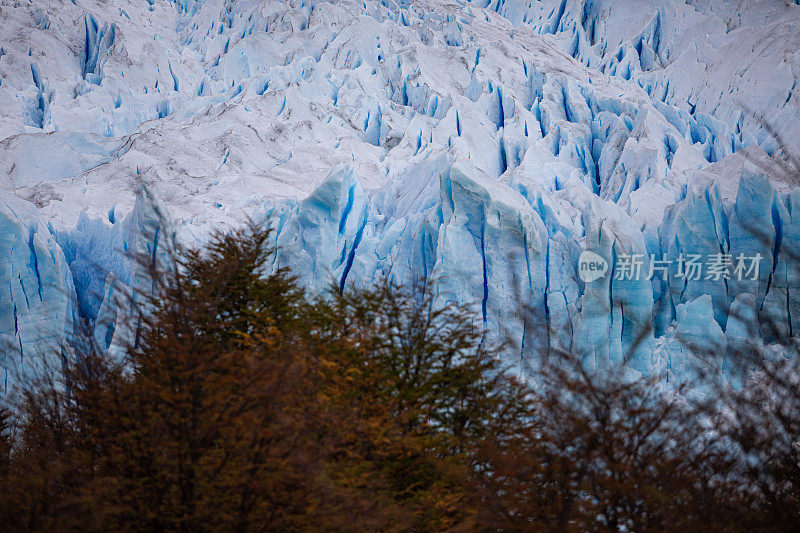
{"x": 244, "y": 404}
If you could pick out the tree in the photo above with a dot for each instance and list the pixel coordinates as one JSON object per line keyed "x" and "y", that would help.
{"x": 610, "y": 451}
{"x": 244, "y": 405}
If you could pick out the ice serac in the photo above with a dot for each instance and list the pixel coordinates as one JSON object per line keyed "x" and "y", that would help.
{"x": 614, "y": 324}
{"x": 111, "y": 262}
{"x": 321, "y": 236}
{"x": 694, "y": 331}
{"x": 492, "y": 252}
{"x": 746, "y": 216}
{"x": 697, "y": 232}
{"x": 764, "y": 225}
{"x": 36, "y": 294}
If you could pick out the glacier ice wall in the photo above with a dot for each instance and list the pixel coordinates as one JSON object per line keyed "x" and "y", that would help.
{"x": 481, "y": 146}
{"x": 36, "y": 306}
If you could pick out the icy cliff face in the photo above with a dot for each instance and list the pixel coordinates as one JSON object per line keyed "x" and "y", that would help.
{"x": 481, "y": 146}
{"x": 36, "y": 311}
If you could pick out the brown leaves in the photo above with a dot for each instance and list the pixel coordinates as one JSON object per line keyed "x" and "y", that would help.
{"x": 245, "y": 406}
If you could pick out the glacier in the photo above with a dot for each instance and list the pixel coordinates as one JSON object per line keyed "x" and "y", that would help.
{"x": 477, "y": 146}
